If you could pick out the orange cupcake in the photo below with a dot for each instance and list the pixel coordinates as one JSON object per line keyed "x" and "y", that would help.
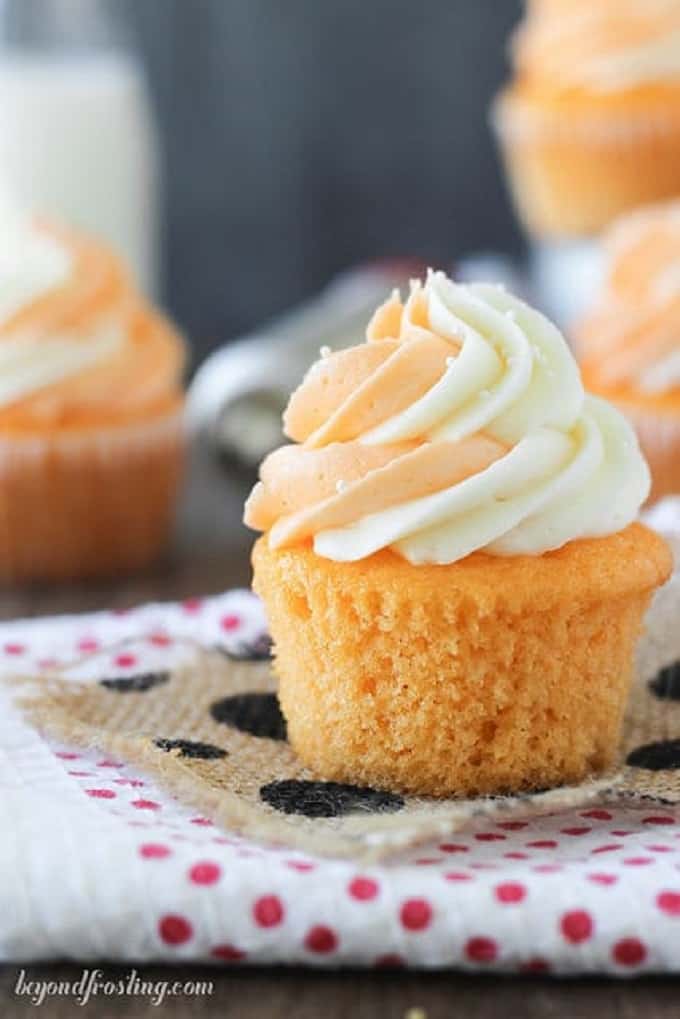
{"x": 590, "y": 124}
{"x": 451, "y": 569}
{"x": 629, "y": 343}
{"x": 91, "y": 442}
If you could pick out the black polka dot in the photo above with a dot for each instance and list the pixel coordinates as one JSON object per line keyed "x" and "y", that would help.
{"x": 256, "y": 713}
{"x": 136, "y": 684}
{"x": 666, "y": 685}
{"x": 661, "y": 756}
{"x": 258, "y": 650}
{"x": 327, "y": 799}
{"x": 191, "y": 748}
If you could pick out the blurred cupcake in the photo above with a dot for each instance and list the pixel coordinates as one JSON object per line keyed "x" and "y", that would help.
{"x": 629, "y": 343}
{"x": 590, "y": 123}
{"x": 91, "y": 442}
{"x": 451, "y": 569}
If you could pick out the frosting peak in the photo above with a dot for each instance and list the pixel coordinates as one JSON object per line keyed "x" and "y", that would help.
{"x": 630, "y": 338}
{"x": 603, "y": 45}
{"x": 76, "y": 339}
{"x": 461, "y": 424}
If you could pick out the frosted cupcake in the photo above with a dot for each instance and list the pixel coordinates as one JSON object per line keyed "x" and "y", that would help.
{"x": 90, "y": 410}
{"x": 590, "y": 123}
{"x": 629, "y": 343}
{"x": 451, "y": 570}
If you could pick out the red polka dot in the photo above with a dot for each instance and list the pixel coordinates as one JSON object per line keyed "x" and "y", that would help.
{"x": 620, "y": 833}
{"x": 80, "y": 774}
{"x": 575, "y": 831}
{"x": 204, "y": 873}
{"x": 125, "y": 660}
{"x": 512, "y": 825}
{"x": 535, "y": 965}
{"x": 660, "y": 849}
{"x": 457, "y": 875}
{"x": 101, "y": 794}
{"x": 389, "y": 962}
{"x": 303, "y": 866}
{"x": 547, "y": 868}
{"x": 230, "y": 622}
{"x": 174, "y": 930}
{"x": 146, "y": 805}
{"x": 658, "y": 819}
{"x": 228, "y": 953}
{"x": 603, "y": 879}
{"x": 481, "y": 950}
{"x": 597, "y": 814}
{"x": 609, "y": 848}
{"x": 489, "y": 836}
{"x": 512, "y": 855}
{"x": 427, "y": 861}
{"x": 192, "y": 604}
{"x": 638, "y": 861}
{"x": 577, "y": 926}
{"x": 321, "y": 939}
{"x": 416, "y": 914}
{"x": 453, "y": 847}
{"x": 363, "y": 888}
{"x": 543, "y": 844}
{"x": 66, "y": 755}
{"x": 134, "y": 783}
{"x": 629, "y": 952}
{"x": 669, "y": 903}
{"x": 510, "y": 892}
{"x": 154, "y": 851}
{"x": 160, "y": 640}
{"x": 14, "y": 649}
{"x": 203, "y": 822}
{"x": 268, "y": 911}
{"x": 484, "y": 866}
{"x": 109, "y": 764}
{"x": 47, "y": 663}
{"x": 88, "y": 644}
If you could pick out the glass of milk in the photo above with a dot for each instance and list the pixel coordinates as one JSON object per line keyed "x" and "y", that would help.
{"x": 78, "y": 140}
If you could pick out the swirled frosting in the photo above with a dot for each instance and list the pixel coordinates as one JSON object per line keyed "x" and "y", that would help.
{"x": 600, "y": 45}
{"x": 460, "y": 425}
{"x": 78, "y": 344}
{"x": 631, "y": 337}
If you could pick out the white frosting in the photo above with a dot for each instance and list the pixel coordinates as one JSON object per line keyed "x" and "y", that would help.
{"x": 27, "y": 365}
{"x": 33, "y": 263}
{"x": 629, "y": 66}
{"x": 574, "y": 469}
{"x": 663, "y": 376}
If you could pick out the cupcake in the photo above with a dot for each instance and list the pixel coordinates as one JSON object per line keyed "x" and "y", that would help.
{"x": 91, "y": 443}
{"x": 451, "y": 568}
{"x": 629, "y": 342}
{"x": 590, "y": 123}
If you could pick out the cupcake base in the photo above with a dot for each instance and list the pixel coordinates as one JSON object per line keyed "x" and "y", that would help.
{"x": 488, "y": 676}
{"x": 80, "y": 504}
{"x": 573, "y": 167}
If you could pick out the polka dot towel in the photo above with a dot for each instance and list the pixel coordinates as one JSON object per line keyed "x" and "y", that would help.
{"x": 105, "y": 864}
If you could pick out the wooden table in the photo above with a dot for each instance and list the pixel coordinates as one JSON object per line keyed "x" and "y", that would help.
{"x": 210, "y": 554}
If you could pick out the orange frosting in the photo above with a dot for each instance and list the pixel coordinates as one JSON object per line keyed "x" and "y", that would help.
{"x": 604, "y": 46}
{"x": 634, "y": 327}
{"x": 139, "y": 377}
{"x": 332, "y": 479}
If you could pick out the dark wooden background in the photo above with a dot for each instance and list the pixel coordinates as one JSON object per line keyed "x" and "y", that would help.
{"x": 303, "y": 136}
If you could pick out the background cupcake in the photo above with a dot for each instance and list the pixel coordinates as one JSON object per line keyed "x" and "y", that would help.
{"x": 91, "y": 440}
{"x": 452, "y": 577}
{"x": 629, "y": 343}
{"x": 590, "y": 123}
